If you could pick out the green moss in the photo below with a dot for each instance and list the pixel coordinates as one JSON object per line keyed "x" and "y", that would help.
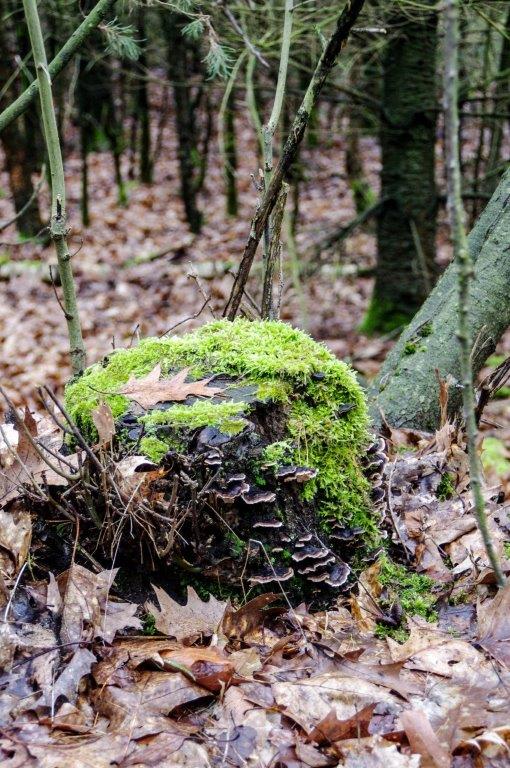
{"x": 412, "y": 590}
{"x": 278, "y": 453}
{"x": 446, "y": 488}
{"x": 410, "y": 347}
{"x": 153, "y": 448}
{"x": 495, "y": 360}
{"x": 327, "y": 413}
{"x": 502, "y": 393}
{"x": 202, "y": 413}
{"x": 506, "y": 549}
{"x": 494, "y": 456}
{"x": 149, "y": 624}
{"x": 425, "y": 330}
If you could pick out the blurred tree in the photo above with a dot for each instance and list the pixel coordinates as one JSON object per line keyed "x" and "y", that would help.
{"x": 406, "y": 229}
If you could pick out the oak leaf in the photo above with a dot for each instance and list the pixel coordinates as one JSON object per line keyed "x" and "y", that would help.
{"x": 150, "y": 390}
{"x": 184, "y": 621}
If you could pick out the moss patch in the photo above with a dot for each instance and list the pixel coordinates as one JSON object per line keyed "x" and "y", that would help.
{"x": 446, "y": 488}
{"x": 323, "y": 406}
{"x": 412, "y": 591}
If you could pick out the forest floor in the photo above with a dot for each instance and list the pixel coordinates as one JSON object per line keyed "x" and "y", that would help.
{"x": 93, "y": 680}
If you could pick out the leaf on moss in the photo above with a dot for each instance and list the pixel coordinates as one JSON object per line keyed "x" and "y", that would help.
{"x": 184, "y": 621}
{"x": 102, "y": 417}
{"x": 149, "y": 390}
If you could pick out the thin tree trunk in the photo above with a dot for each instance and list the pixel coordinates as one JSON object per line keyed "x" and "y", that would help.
{"x": 143, "y": 106}
{"x": 58, "y": 221}
{"x": 462, "y": 257}
{"x": 180, "y": 61}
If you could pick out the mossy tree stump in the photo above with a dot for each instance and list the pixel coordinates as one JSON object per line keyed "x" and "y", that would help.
{"x": 264, "y": 480}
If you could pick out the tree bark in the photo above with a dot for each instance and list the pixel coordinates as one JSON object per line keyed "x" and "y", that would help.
{"x": 406, "y": 392}
{"x": 406, "y": 230}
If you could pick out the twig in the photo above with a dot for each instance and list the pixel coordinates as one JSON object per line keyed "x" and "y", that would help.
{"x": 324, "y": 66}
{"x": 56, "y": 66}
{"x": 465, "y": 273}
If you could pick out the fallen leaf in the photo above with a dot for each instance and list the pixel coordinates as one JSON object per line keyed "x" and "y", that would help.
{"x": 87, "y": 610}
{"x": 423, "y": 740}
{"x": 237, "y": 624}
{"x": 102, "y": 417}
{"x": 186, "y": 621}
{"x": 331, "y": 729}
{"x": 149, "y": 390}
{"x": 494, "y": 625}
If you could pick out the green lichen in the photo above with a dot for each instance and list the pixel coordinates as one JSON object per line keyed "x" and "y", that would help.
{"x": 446, "y": 488}
{"x": 413, "y": 592}
{"x": 325, "y": 408}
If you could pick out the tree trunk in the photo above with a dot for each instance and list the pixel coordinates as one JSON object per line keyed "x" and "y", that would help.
{"x": 180, "y": 63}
{"x": 406, "y": 231}
{"x": 406, "y": 392}
{"x": 143, "y": 105}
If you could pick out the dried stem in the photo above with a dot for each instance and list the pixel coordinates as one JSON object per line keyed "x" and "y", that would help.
{"x": 465, "y": 272}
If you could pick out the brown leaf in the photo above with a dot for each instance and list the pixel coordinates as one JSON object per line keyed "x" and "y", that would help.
{"x": 15, "y": 536}
{"x": 237, "y": 624}
{"x": 423, "y": 740}
{"x": 102, "y": 417}
{"x": 149, "y": 390}
{"x": 207, "y": 667}
{"x": 88, "y": 611}
{"x": 185, "y": 621}
{"x": 494, "y": 625}
{"x": 331, "y": 729}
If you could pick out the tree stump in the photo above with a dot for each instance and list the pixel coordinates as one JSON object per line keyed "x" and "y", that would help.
{"x": 256, "y": 439}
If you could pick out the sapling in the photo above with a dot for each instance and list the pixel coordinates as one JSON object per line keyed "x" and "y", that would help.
{"x": 58, "y": 220}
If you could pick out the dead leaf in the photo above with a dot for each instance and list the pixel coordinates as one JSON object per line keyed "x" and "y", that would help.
{"x": 186, "y": 621}
{"x": 88, "y": 612}
{"x": 494, "y": 625}
{"x": 237, "y": 624}
{"x": 102, "y": 417}
{"x": 423, "y": 740}
{"x": 149, "y": 390}
{"x": 331, "y": 729}
{"x": 15, "y": 536}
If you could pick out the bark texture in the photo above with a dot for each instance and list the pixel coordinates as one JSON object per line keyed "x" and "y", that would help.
{"x": 406, "y": 392}
{"x": 406, "y": 230}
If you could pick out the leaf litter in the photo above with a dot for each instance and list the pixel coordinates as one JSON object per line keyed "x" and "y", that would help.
{"x": 262, "y": 684}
